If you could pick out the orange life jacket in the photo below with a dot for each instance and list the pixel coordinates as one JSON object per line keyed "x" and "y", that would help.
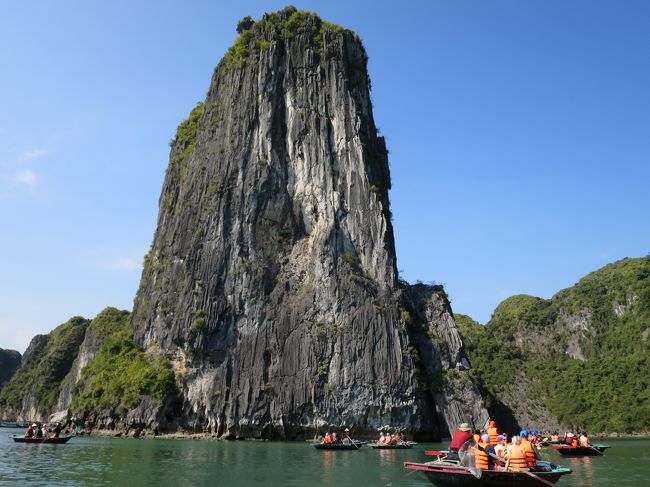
{"x": 555, "y": 437}
{"x": 517, "y": 457}
{"x": 327, "y": 440}
{"x": 493, "y": 432}
{"x": 531, "y": 458}
{"x": 574, "y": 441}
{"x": 481, "y": 456}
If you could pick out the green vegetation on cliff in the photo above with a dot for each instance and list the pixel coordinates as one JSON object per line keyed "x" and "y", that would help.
{"x": 585, "y": 353}
{"x": 277, "y": 26}
{"x": 46, "y": 362}
{"x": 120, "y": 373}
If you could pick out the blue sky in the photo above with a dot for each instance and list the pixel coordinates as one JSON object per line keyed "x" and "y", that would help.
{"x": 519, "y": 138}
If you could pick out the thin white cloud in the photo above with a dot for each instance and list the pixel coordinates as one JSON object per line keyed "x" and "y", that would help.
{"x": 126, "y": 264}
{"x": 30, "y": 155}
{"x": 104, "y": 260}
{"x": 26, "y": 178}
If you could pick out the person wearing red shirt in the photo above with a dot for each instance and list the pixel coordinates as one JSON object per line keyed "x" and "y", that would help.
{"x": 461, "y": 435}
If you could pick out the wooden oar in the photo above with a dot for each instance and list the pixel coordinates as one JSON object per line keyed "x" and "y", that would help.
{"x": 530, "y": 474}
{"x": 352, "y": 441}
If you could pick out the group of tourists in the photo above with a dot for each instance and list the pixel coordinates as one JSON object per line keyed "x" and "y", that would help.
{"x": 493, "y": 451}
{"x": 333, "y": 438}
{"x": 577, "y": 440}
{"x": 388, "y": 439}
{"x": 35, "y": 430}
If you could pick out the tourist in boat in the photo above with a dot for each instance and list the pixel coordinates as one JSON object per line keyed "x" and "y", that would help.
{"x": 39, "y": 431}
{"x": 30, "y": 431}
{"x": 535, "y": 438}
{"x": 402, "y": 437}
{"x": 393, "y": 439}
{"x": 477, "y": 435}
{"x": 493, "y": 432}
{"x": 583, "y": 440}
{"x": 555, "y": 436}
{"x": 336, "y": 438}
{"x": 516, "y": 456}
{"x": 529, "y": 449}
{"x": 485, "y": 455}
{"x": 328, "y": 439}
{"x": 461, "y": 436}
{"x": 482, "y": 459}
{"x": 571, "y": 439}
{"x": 56, "y": 431}
{"x": 382, "y": 439}
{"x": 501, "y": 446}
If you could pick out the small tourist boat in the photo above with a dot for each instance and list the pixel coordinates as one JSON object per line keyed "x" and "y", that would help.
{"x": 448, "y": 474}
{"x": 403, "y": 445}
{"x": 347, "y": 445}
{"x": 580, "y": 451}
{"x": 40, "y": 441}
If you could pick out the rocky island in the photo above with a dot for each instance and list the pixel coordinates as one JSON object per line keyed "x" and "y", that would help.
{"x": 271, "y": 288}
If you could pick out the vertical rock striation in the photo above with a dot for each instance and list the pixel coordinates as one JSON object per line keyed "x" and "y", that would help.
{"x": 9, "y": 362}
{"x": 271, "y": 281}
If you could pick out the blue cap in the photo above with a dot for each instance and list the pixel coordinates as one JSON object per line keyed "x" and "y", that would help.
{"x": 535, "y": 432}
{"x": 523, "y": 433}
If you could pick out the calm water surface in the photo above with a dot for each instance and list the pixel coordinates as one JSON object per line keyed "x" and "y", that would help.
{"x": 118, "y": 461}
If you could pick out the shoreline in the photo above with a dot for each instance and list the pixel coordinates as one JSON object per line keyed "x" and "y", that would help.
{"x": 213, "y": 437}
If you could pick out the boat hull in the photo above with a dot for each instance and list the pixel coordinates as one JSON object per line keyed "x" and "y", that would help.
{"x": 580, "y": 451}
{"x": 338, "y": 446}
{"x": 40, "y": 441}
{"x": 399, "y": 446}
{"x": 443, "y": 474}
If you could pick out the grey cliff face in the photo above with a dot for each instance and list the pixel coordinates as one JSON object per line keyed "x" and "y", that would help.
{"x": 9, "y": 362}
{"x": 271, "y": 281}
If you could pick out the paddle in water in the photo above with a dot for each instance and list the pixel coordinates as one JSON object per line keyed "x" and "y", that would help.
{"x": 351, "y": 440}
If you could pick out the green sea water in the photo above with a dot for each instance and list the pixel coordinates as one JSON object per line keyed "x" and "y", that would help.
{"x": 126, "y": 461}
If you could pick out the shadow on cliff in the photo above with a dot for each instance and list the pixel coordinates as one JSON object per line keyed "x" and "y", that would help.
{"x": 502, "y": 414}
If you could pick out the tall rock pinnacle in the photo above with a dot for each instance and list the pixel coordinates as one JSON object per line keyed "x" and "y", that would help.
{"x": 271, "y": 282}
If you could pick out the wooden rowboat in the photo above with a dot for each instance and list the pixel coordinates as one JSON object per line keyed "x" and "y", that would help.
{"x": 447, "y": 474}
{"x": 580, "y": 451}
{"x": 353, "y": 445}
{"x": 40, "y": 441}
{"x": 404, "y": 445}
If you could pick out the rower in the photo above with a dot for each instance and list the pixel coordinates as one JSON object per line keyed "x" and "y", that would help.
{"x": 461, "y": 436}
